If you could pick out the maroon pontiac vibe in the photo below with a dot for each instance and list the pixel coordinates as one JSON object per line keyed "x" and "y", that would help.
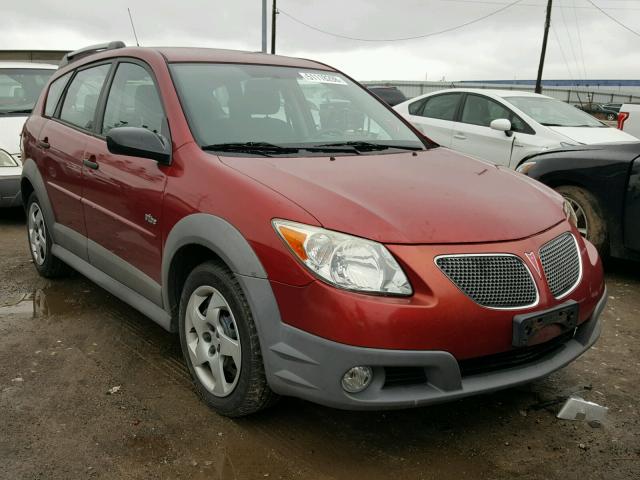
{"x": 298, "y": 235}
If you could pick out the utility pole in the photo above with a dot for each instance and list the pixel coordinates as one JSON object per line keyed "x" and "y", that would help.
{"x": 274, "y": 12}
{"x": 264, "y": 26}
{"x": 547, "y": 24}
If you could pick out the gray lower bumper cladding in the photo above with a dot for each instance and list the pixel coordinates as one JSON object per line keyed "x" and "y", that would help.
{"x": 306, "y": 366}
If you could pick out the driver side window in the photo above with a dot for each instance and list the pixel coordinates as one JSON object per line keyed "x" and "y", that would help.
{"x": 133, "y": 101}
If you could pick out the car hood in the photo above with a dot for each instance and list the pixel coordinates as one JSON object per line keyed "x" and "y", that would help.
{"x": 589, "y": 135}
{"x": 437, "y": 196}
{"x": 10, "y": 128}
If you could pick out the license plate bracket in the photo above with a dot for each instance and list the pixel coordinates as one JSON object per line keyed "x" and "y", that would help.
{"x": 527, "y": 326}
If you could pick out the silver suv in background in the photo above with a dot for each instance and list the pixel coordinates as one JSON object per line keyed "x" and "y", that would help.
{"x": 20, "y": 87}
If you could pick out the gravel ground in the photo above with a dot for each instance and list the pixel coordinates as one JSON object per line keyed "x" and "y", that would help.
{"x": 65, "y": 344}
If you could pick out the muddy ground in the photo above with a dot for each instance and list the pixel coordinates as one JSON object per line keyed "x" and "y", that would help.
{"x": 64, "y": 344}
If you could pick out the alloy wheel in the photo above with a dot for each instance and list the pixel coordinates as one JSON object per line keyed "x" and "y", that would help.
{"x": 37, "y": 234}
{"x": 582, "y": 224}
{"x": 213, "y": 341}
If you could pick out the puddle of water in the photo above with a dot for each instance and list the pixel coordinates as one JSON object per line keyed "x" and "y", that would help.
{"x": 41, "y": 303}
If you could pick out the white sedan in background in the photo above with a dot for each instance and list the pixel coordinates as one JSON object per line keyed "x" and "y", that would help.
{"x": 504, "y": 126}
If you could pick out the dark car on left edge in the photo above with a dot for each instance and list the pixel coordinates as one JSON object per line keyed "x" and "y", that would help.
{"x": 602, "y": 184}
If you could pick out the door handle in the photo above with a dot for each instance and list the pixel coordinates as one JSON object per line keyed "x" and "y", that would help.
{"x": 91, "y": 163}
{"x": 44, "y": 143}
{"x": 459, "y": 136}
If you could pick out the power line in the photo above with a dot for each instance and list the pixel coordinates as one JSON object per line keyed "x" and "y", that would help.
{"x": 439, "y": 32}
{"x": 615, "y": 19}
{"x": 570, "y": 37}
{"x": 570, "y": 7}
{"x": 584, "y": 65}
{"x": 564, "y": 57}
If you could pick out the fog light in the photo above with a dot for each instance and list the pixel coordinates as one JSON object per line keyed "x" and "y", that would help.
{"x": 356, "y": 379}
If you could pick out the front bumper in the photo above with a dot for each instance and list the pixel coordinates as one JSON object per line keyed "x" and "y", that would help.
{"x": 10, "y": 191}
{"x": 315, "y": 374}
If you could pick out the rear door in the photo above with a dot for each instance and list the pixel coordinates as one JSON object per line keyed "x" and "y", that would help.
{"x": 62, "y": 141}
{"x": 123, "y": 194}
{"x": 434, "y": 116}
{"x": 473, "y": 135}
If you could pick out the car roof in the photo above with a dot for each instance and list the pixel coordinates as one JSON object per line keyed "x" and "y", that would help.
{"x": 490, "y": 92}
{"x": 28, "y": 65}
{"x": 188, "y": 54}
{"x": 196, "y": 55}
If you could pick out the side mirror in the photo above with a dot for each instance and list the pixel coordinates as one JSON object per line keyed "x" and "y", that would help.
{"x": 502, "y": 125}
{"x": 139, "y": 142}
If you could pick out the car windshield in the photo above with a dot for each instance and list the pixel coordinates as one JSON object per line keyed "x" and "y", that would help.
{"x": 270, "y": 110}
{"x": 554, "y": 113}
{"x": 20, "y": 89}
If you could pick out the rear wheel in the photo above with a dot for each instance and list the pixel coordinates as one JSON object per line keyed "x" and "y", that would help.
{"x": 220, "y": 342}
{"x": 589, "y": 216}
{"x": 40, "y": 242}
{"x": 611, "y": 116}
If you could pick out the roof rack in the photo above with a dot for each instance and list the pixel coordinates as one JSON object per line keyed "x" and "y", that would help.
{"x": 83, "y": 52}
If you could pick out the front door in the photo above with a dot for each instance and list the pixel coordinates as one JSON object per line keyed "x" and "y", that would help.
{"x": 123, "y": 194}
{"x": 473, "y": 135}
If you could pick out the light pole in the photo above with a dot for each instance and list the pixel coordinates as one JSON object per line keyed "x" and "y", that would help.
{"x": 544, "y": 47}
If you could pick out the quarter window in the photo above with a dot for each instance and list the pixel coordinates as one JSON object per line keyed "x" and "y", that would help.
{"x": 482, "y": 111}
{"x": 133, "y": 100}
{"x": 81, "y": 101}
{"x": 55, "y": 91}
{"x": 442, "y": 107}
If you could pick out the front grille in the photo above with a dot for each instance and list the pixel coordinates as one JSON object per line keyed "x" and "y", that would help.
{"x": 513, "y": 358}
{"x": 561, "y": 263}
{"x": 497, "y": 281}
{"x": 404, "y": 376}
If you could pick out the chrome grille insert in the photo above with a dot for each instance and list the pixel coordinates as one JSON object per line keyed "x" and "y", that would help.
{"x": 561, "y": 264}
{"x": 491, "y": 280}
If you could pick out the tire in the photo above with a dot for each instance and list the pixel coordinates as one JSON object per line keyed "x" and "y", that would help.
{"x": 595, "y": 225}
{"x": 611, "y": 116}
{"x": 40, "y": 242}
{"x": 217, "y": 331}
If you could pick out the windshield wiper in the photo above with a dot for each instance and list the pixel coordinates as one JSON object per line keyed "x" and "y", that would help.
{"x": 259, "y": 148}
{"x": 369, "y": 146}
{"x": 10, "y": 112}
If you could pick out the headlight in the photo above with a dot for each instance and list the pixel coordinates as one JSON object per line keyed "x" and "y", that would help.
{"x": 345, "y": 261}
{"x": 7, "y": 160}
{"x": 570, "y": 213}
{"x": 525, "y": 167}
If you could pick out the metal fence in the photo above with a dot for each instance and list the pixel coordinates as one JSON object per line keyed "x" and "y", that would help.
{"x": 575, "y": 95}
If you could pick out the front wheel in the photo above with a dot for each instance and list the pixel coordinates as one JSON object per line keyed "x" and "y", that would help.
{"x": 589, "y": 216}
{"x": 220, "y": 342}
{"x": 611, "y": 117}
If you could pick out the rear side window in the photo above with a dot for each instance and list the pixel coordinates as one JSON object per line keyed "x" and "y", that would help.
{"x": 416, "y": 107}
{"x": 133, "y": 100}
{"x": 81, "y": 101}
{"x": 55, "y": 91}
{"x": 442, "y": 107}
{"x": 482, "y": 111}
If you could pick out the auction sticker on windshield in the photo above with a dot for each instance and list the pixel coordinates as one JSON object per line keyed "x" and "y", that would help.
{"x": 322, "y": 78}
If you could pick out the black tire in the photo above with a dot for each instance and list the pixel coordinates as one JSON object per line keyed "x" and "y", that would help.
{"x": 611, "y": 116}
{"x": 51, "y": 267}
{"x": 596, "y": 226}
{"x": 251, "y": 392}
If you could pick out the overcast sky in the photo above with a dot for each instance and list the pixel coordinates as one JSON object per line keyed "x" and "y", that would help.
{"x": 503, "y": 46}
